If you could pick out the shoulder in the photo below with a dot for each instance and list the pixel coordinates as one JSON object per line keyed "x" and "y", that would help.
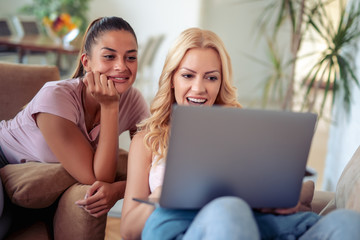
{"x": 138, "y": 143}
{"x": 138, "y": 138}
{"x": 62, "y": 87}
{"x": 61, "y": 98}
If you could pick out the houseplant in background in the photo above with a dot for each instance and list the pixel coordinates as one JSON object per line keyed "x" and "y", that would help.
{"x": 59, "y": 10}
{"x": 62, "y": 28}
{"x": 331, "y": 64}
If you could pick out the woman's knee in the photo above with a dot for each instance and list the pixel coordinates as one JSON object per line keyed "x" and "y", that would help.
{"x": 229, "y": 202}
{"x": 224, "y": 218}
{"x": 344, "y": 216}
{"x": 343, "y": 222}
{"x": 228, "y": 206}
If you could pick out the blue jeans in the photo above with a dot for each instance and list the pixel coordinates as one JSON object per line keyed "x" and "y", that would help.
{"x": 232, "y": 218}
{"x": 339, "y": 224}
{"x": 217, "y": 220}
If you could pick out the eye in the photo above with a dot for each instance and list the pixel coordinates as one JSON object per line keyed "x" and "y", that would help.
{"x": 212, "y": 78}
{"x": 187, "y": 75}
{"x": 131, "y": 58}
{"x": 109, "y": 57}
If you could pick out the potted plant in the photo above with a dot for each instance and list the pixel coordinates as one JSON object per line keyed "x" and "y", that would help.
{"x": 50, "y": 10}
{"x": 332, "y": 68}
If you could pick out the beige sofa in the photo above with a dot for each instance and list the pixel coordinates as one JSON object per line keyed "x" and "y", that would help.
{"x": 347, "y": 194}
{"x": 43, "y": 195}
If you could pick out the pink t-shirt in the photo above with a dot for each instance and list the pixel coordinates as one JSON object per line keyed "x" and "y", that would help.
{"x": 21, "y": 139}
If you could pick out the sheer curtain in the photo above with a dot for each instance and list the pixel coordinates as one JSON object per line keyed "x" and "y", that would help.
{"x": 344, "y": 135}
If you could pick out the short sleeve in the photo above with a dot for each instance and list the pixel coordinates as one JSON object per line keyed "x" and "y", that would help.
{"x": 58, "y": 100}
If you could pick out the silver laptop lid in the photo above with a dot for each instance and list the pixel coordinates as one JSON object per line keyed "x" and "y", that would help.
{"x": 257, "y": 155}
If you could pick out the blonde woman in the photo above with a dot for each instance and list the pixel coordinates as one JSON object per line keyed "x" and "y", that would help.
{"x": 197, "y": 71}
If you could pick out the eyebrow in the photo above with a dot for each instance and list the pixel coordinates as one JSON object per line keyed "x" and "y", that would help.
{"x": 113, "y": 50}
{"x": 188, "y": 69}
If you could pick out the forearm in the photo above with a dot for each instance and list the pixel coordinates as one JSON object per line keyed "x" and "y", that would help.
{"x": 105, "y": 158}
{"x": 133, "y": 222}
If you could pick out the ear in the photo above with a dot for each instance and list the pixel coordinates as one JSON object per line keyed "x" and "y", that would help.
{"x": 85, "y": 62}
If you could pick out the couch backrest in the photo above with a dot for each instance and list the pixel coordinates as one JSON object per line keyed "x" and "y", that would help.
{"x": 19, "y": 83}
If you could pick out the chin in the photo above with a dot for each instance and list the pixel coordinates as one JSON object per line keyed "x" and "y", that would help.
{"x": 122, "y": 87}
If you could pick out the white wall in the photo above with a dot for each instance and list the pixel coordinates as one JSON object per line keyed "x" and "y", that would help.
{"x": 236, "y": 22}
{"x": 10, "y": 7}
{"x": 150, "y": 17}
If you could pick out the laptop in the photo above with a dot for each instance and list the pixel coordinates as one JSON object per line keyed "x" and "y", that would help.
{"x": 255, "y": 154}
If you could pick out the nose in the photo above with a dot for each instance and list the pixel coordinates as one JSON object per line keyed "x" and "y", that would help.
{"x": 198, "y": 85}
{"x": 120, "y": 65}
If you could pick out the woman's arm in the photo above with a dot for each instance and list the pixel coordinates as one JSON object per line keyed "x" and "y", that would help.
{"x": 69, "y": 145}
{"x": 105, "y": 94}
{"x": 134, "y": 214}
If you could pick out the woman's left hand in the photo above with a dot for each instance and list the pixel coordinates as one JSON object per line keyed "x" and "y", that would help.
{"x": 281, "y": 211}
{"x": 101, "y": 88}
{"x": 101, "y": 197}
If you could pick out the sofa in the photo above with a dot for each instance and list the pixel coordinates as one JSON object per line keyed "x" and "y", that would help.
{"x": 42, "y": 196}
{"x": 347, "y": 193}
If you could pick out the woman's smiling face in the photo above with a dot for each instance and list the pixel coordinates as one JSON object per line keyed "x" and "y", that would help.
{"x": 115, "y": 55}
{"x": 198, "y": 78}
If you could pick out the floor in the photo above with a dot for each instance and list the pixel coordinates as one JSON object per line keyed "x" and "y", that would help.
{"x": 112, "y": 231}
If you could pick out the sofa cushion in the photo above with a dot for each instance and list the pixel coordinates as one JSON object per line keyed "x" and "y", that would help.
{"x": 73, "y": 222}
{"x": 347, "y": 193}
{"x": 35, "y": 185}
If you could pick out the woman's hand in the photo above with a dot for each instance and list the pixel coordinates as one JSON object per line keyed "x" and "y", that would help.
{"x": 280, "y": 211}
{"x": 102, "y": 89}
{"x": 101, "y": 197}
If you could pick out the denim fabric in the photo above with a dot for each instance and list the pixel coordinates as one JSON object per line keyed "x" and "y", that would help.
{"x": 339, "y": 224}
{"x": 224, "y": 218}
{"x": 167, "y": 224}
{"x": 217, "y": 220}
{"x": 285, "y": 227}
{"x": 232, "y": 218}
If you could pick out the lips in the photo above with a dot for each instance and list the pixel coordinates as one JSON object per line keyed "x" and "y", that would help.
{"x": 193, "y": 100}
{"x": 119, "y": 79}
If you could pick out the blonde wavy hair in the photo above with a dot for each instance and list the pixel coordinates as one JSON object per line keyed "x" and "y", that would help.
{"x": 157, "y": 126}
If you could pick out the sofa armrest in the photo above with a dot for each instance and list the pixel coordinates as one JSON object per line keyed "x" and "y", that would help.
{"x": 322, "y": 200}
{"x": 72, "y": 222}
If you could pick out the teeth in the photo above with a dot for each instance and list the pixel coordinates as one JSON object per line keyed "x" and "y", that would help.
{"x": 118, "y": 78}
{"x": 197, "y": 100}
